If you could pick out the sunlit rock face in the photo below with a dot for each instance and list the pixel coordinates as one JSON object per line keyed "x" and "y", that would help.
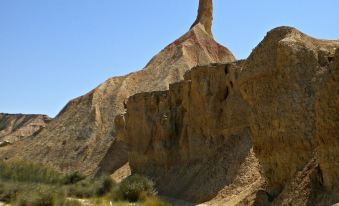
{"x": 281, "y": 101}
{"x": 289, "y": 82}
{"x": 327, "y": 123}
{"x": 194, "y": 138}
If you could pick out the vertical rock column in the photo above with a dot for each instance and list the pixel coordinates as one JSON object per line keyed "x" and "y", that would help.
{"x": 205, "y": 15}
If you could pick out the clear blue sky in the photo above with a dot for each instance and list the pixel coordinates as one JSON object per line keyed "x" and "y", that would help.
{"x": 54, "y": 50}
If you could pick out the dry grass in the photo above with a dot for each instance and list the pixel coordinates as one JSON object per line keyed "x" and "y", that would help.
{"x": 27, "y": 184}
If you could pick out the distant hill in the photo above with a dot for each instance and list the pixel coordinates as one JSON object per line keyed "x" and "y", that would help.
{"x": 16, "y": 127}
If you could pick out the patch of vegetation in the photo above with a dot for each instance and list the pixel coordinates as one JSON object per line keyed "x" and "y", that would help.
{"x": 135, "y": 188}
{"x": 28, "y": 184}
{"x": 31, "y": 194}
{"x": 20, "y": 171}
{"x": 91, "y": 188}
{"x": 72, "y": 178}
{"x": 40, "y": 195}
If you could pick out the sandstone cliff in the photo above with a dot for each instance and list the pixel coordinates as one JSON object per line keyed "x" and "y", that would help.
{"x": 83, "y": 138}
{"x": 280, "y": 81}
{"x": 282, "y": 101}
{"x": 15, "y": 127}
{"x": 193, "y": 139}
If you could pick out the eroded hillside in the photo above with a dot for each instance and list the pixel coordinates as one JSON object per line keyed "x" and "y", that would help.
{"x": 15, "y": 127}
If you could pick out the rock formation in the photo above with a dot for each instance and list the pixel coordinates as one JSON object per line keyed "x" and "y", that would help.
{"x": 257, "y": 132}
{"x": 279, "y": 81}
{"x": 205, "y": 15}
{"x": 15, "y": 127}
{"x": 85, "y": 127}
{"x": 194, "y": 138}
{"x": 282, "y": 101}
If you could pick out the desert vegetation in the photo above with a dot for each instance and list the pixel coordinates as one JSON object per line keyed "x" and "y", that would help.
{"x": 28, "y": 184}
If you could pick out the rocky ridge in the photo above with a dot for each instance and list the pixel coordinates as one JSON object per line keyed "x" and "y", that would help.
{"x": 281, "y": 102}
{"x": 15, "y": 127}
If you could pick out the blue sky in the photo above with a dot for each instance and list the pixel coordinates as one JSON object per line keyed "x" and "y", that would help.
{"x": 54, "y": 50}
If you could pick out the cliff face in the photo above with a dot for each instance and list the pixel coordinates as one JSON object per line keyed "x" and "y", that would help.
{"x": 15, "y": 127}
{"x": 279, "y": 81}
{"x": 195, "y": 138}
{"x": 327, "y": 124}
{"x": 85, "y": 127}
{"x": 282, "y": 101}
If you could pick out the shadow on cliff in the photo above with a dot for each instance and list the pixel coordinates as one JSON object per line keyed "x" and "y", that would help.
{"x": 202, "y": 180}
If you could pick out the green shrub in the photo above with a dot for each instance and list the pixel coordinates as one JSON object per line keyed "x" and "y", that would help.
{"x": 90, "y": 187}
{"x": 105, "y": 185}
{"x": 135, "y": 188}
{"x": 73, "y": 178}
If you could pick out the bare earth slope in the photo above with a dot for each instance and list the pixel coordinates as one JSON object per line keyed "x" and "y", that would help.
{"x": 15, "y": 127}
{"x": 82, "y": 136}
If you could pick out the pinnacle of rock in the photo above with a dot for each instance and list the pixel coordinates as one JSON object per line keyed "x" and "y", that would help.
{"x": 205, "y": 15}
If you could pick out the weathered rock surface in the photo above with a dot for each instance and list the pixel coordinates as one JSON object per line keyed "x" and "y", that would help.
{"x": 82, "y": 136}
{"x": 279, "y": 81}
{"x": 193, "y": 139}
{"x": 15, "y": 127}
{"x": 283, "y": 101}
{"x": 327, "y": 124}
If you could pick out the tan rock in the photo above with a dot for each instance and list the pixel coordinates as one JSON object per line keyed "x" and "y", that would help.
{"x": 194, "y": 138}
{"x": 327, "y": 125}
{"x": 285, "y": 93}
{"x": 279, "y": 81}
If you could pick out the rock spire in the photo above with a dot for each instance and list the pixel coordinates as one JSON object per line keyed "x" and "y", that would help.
{"x": 205, "y": 15}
